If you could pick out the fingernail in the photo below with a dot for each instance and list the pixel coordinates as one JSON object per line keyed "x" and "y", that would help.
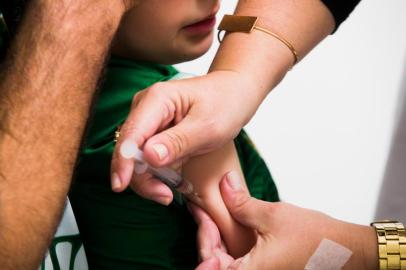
{"x": 163, "y": 200}
{"x": 115, "y": 182}
{"x": 161, "y": 150}
{"x": 233, "y": 180}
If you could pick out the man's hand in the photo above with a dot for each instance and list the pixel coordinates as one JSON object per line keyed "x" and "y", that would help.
{"x": 206, "y": 112}
{"x": 287, "y": 235}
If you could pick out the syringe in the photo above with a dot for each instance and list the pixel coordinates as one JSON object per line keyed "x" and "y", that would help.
{"x": 166, "y": 175}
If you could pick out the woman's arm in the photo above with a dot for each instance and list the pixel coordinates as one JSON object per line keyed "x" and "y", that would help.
{"x": 288, "y": 236}
{"x": 246, "y": 68}
{"x": 46, "y": 89}
{"x": 205, "y": 172}
{"x": 262, "y": 59}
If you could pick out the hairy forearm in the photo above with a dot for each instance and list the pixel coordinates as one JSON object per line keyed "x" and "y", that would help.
{"x": 262, "y": 59}
{"x": 46, "y": 89}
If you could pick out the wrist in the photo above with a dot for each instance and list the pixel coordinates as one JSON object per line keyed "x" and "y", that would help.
{"x": 262, "y": 60}
{"x": 265, "y": 58}
{"x": 362, "y": 242}
{"x": 359, "y": 239}
{"x": 370, "y": 248}
{"x": 241, "y": 89}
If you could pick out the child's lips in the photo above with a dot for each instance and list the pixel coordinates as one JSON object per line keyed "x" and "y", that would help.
{"x": 201, "y": 27}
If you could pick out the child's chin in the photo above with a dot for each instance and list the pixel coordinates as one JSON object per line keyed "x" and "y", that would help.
{"x": 190, "y": 55}
{"x": 194, "y": 55}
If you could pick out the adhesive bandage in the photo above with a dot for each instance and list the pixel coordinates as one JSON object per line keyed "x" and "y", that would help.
{"x": 329, "y": 255}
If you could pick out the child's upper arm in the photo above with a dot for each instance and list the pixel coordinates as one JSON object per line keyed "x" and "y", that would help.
{"x": 205, "y": 173}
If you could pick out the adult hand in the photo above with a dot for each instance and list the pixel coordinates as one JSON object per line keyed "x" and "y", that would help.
{"x": 177, "y": 119}
{"x": 210, "y": 110}
{"x": 287, "y": 235}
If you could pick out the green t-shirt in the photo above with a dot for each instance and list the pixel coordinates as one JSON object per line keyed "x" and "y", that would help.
{"x": 124, "y": 231}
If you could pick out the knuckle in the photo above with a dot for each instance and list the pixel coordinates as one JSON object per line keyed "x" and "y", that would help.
{"x": 130, "y": 130}
{"x": 178, "y": 142}
{"x": 156, "y": 89}
{"x": 168, "y": 111}
{"x": 269, "y": 210}
{"x": 159, "y": 92}
{"x": 268, "y": 214}
{"x": 241, "y": 204}
{"x": 137, "y": 97}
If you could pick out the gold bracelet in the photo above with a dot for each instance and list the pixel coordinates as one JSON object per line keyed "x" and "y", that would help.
{"x": 234, "y": 23}
{"x": 391, "y": 244}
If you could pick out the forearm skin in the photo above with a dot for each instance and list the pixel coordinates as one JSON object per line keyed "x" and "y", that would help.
{"x": 263, "y": 60}
{"x": 46, "y": 89}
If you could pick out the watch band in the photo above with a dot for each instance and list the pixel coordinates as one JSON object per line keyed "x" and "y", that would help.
{"x": 391, "y": 244}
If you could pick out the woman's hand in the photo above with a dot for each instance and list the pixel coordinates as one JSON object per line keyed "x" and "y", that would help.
{"x": 177, "y": 119}
{"x": 212, "y": 250}
{"x": 287, "y": 235}
{"x": 208, "y": 111}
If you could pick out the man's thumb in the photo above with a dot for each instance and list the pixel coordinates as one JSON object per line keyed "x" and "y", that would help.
{"x": 248, "y": 211}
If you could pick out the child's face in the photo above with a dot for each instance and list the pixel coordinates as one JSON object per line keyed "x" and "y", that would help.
{"x": 167, "y": 31}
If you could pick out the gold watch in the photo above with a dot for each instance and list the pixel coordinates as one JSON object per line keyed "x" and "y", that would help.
{"x": 391, "y": 244}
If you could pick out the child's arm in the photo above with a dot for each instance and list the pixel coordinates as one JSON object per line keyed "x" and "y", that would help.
{"x": 205, "y": 173}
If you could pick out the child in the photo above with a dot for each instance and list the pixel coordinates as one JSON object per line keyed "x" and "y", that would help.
{"x": 122, "y": 230}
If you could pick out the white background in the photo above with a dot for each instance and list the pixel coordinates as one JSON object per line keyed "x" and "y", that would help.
{"x": 325, "y": 130}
